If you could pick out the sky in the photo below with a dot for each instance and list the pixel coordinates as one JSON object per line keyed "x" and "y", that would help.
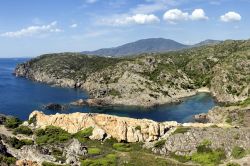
{"x": 30, "y": 28}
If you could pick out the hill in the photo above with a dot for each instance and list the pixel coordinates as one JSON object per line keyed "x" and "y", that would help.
{"x": 148, "y": 79}
{"x": 140, "y": 46}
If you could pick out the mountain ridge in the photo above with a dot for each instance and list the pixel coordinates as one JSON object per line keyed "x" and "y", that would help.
{"x": 149, "y": 45}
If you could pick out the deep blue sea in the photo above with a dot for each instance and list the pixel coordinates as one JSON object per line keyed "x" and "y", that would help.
{"x": 19, "y": 97}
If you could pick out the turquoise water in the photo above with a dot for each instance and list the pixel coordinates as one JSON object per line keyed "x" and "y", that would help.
{"x": 19, "y": 97}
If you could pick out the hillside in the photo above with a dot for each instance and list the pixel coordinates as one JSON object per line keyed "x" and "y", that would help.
{"x": 147, "y": 79}
{"x": 151, "y": 45}
{"x": 140, "y": 46}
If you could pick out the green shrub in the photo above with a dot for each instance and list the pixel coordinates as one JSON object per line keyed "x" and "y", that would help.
{"x": 108, "y": 160}
{"x": 182, "y": 159}
{"x": 123, "y": 147}
{"x": 23, "y": 130}
{"x": 12, "y": 122}
{"x": 181, "y": 130}
{"x": 82, "y": 135}
{"x": 160, "y": 144}
{"x": 209, "y": 158}
{"x": 232, "y": 164}
{"x": 94, "y": 151}
{"x": 204, "y": 147}
{"x": 245, "y": 102}
{"x": 7, "y": 160}
{"x": 51, "y": 164}
{"x": 51, "y": 135}
{"x": 16, "y": 143}
{"x": 138, "y": 128}
{"x": 238, "y": 152}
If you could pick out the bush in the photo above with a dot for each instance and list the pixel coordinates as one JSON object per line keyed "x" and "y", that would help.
{"x": 94, "y": 151}
{"x": 182, "y": 159}
{"x": 82, "y": 135}
{"x": 209, "y": 158}
{"x": 108, "y": 160}
{"x": 204, "y": 147}
{"x": 7, "y": 160}
{"x": 232, "y": 164}
{"x": 23, "y": 130}
{"x": 51, "y": 135}
{"x": 160, "y": 144}
{"x": 12, "y": 122}
{"x": 238, "y": 152}
{"x": 181, "y": 130}
{"x": 51, "y": 164}
{"x": 138, "y": 128}
{"x": 16, "y": 143}
{"x": 123, "y": 147}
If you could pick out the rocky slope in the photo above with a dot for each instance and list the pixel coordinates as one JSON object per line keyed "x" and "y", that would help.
{"x": 149, "y": 80}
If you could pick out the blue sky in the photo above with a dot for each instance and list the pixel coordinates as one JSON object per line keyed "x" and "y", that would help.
{"x": 30, "y": 28}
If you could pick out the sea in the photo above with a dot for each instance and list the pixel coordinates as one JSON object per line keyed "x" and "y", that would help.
{"x": 20, "y": 96}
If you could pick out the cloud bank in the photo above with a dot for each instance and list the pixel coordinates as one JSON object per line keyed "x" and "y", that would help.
{"x": 176, "y": 15}
{"x": 33, "y": 30}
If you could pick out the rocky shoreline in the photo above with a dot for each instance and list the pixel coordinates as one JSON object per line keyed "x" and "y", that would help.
{"x": 174, "y": 139}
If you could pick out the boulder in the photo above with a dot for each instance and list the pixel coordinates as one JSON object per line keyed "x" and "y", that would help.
{"x": 98, "y": 134}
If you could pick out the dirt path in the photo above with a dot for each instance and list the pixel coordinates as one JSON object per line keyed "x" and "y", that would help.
{"x": 8, "y": 133}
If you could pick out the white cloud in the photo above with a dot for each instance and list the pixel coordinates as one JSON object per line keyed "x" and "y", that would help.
{"x": 230, "y": 17}
{"x": 135, "y": 19}
{"x": 198, "y": 14}
{"x": 73, "y": 26}
{"x": 176, "y": 15}
{"x": 33, "y": 30}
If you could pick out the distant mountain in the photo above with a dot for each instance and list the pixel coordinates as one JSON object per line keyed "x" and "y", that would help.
{"x": 140, "y": 46}
{"x": 207, "y": 42}
{"x": 146, "y": 46}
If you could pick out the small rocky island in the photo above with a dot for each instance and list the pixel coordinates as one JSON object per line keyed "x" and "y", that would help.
{"x": 220, "y": 137}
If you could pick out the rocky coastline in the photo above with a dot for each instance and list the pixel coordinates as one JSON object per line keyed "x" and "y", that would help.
{"x": 168, "y": 139}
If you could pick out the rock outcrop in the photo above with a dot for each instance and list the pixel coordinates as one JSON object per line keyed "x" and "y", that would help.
{"x": 187, "y": 143}
{"x": 105, "y": 126}
{"x": 120, "y": 128}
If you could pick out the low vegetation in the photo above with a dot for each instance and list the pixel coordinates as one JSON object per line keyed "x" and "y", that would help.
{"x": 12, "y": 122}
{"x": 181, "y": 130}
{"x": 51, "y": 135}
{"x": 16, "y": 143}
{"x": 23, "y": 130}
{"x": 238, "y": 152}
{"x": 7, "y": 160}
{"x": 82, "y": 135}
{"x": 123, "y": 147}
{"x": 160, "y": 144}
{"x": 108, "y": 160}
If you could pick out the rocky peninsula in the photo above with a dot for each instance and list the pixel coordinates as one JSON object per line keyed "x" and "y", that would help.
{"x": 149, "y": 79}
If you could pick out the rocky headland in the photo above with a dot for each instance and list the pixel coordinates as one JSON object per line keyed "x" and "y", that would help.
{"x": 149, "y": 79}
